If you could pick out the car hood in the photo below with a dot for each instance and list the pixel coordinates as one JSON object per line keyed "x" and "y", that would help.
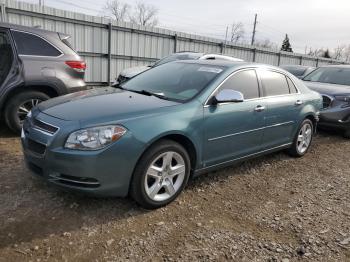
{"x": 327, "y": 89}
{"x": 131, "y": 72}
{"x": 102, "y": 104}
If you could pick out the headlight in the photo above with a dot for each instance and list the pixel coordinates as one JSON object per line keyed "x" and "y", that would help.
{"x": 345, "y": 98}
{"x": 94, "y": 138}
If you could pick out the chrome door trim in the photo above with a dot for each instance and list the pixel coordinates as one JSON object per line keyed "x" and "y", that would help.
{"x": 252, "y": 130}
{"x": 256, "y": 69}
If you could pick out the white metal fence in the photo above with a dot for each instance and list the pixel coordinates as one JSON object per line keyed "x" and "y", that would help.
{"x": 109, "y": 46}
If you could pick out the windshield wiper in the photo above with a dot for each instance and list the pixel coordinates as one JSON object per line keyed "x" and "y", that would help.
{"x": 148, "y": 93}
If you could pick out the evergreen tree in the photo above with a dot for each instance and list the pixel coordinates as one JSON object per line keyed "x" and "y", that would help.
{"x": 327, "y": 54}
{"x": 286, "y": 46}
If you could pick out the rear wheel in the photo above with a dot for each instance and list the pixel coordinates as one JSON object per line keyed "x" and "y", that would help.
{"x": 303, "y": 139}
{"x": 19, "y": 106}
{"x": 161, "y": 174}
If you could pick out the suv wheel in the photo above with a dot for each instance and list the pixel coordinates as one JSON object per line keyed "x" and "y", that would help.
{"x": 303, "y": 139}
{"x": 161, "y": 174}
{"x": 19, "y": 106}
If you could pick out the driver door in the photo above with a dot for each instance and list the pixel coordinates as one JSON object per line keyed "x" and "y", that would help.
{"x": 235, "y": 130}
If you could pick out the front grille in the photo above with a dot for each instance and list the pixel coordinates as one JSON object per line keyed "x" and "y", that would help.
{"x": 36, "y": 147}
{"x": 327, "y": 101}
{"x": 44, "y": 126}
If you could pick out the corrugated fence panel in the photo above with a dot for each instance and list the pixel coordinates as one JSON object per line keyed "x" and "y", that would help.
{"x": 132, "y": 45}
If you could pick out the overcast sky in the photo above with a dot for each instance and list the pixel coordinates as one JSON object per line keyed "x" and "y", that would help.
{"x": 309, "y": 23}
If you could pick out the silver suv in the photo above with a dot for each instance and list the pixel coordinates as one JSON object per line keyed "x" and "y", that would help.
{"x": 35, "y": 65}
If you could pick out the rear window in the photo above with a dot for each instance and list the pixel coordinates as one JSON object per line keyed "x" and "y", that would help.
{"x": 274, "y": 83}
{"x": 29, "y": 44}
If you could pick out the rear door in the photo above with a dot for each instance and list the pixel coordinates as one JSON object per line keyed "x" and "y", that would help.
{"x": 284, "y": 105}
{"x": 10, "y": 66}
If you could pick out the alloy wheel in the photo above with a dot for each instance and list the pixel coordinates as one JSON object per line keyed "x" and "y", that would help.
{"x": 165, "y": 176}
{"x": 25, "y": 108}
{"x": 304, "y": 138}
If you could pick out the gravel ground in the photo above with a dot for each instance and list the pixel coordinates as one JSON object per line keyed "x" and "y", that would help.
{"x": 274, "y": 208}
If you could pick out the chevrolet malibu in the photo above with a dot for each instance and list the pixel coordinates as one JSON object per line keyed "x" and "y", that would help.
{"x": 147, "y": 137}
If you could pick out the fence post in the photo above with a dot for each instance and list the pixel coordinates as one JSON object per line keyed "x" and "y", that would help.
{"x": 175, "y": 43}
{"x": 317, "y": 61}
{"x": 254, "y": 54}
{"x": 2, "y": 13}
{"x": 301, "y": 60}
{"x": 279, "y": 59}
{"x": 221, "y": 47}
{"x": 109, "y": 56}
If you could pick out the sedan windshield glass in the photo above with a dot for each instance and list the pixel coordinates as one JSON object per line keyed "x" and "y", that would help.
{"x": 175, "y": 81}
{"x": 331, "y": 75}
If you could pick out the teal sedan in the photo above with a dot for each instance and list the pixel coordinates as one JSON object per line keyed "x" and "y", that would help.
{"x": 148, "y": 136}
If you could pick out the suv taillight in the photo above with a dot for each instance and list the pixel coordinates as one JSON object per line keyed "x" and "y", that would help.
{"x": 79, "y": 66}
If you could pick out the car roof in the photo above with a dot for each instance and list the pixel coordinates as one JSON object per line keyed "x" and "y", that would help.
{"x": 337, "y": 66}
{"x": 230, "y": 64}
{"x": 296, "y": 66}
{"x": 34, "y": 30}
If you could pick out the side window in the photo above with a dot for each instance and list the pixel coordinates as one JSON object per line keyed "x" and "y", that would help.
{"x": 274, "y": 83}
{"x": 245, "y": 82}
{"x": 28, "y": 44}
{"x": 292, "y": 88}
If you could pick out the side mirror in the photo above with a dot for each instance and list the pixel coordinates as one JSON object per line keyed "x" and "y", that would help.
{"x": 228, "y": 96}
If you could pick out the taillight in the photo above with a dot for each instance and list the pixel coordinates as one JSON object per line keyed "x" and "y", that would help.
{"x": 78, "y": 66}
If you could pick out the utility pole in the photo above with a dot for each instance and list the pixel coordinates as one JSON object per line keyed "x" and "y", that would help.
{"x": 226, "y": 38}
{"x": 254, "y": 30}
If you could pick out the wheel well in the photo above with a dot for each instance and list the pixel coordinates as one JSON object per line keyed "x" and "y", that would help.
{"x": 48, "y": 90}
{"x": 186, "y": 143}
{"x": 313, "y": 120}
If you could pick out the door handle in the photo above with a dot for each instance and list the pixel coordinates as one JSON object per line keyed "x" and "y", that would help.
{"x": 259, "y": 108}
{"x": 299, "y": 102}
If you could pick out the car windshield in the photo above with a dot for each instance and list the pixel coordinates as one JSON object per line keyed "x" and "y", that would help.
{"x": 331, "y": 75}
{"x": 174, "y": 81}
{"x": 175, "y": 57}
{"x": 297, "y": 71}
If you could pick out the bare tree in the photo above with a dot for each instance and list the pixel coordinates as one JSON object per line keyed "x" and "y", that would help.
{"x": 117, "y": 9}
{"x": 339, "y": 52}
{"x": 144, "y": 14}
{"x": 237, "y": 32}
{"x": 266, "y": 43}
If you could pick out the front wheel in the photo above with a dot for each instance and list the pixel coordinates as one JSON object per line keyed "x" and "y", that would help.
{"x": 303, "y": 139}
{"x": 19, "y": 106}
{"x": 347, "y": 134}
{"x": 161, "y": 174}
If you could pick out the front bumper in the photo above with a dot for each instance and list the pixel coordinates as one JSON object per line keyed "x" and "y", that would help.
{"x": 336, "y": 117}
{"x": 105, "y": 172}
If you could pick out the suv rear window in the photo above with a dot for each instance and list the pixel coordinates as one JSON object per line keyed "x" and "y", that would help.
{"x": 29, "y": 44}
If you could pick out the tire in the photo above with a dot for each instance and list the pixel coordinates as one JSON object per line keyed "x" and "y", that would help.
{"x": 347, "y": 134}
{"x": 296, "y": 150}
{"x": 155, "y": 187}
{"x": 14, "y": 116}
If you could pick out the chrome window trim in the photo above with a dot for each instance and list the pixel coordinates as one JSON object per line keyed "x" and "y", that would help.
{"x": 54, "y": 46}
{"x": 252, "y": 130}
{"x": 243, "y": 157}
{"x": 258, "y": 79}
